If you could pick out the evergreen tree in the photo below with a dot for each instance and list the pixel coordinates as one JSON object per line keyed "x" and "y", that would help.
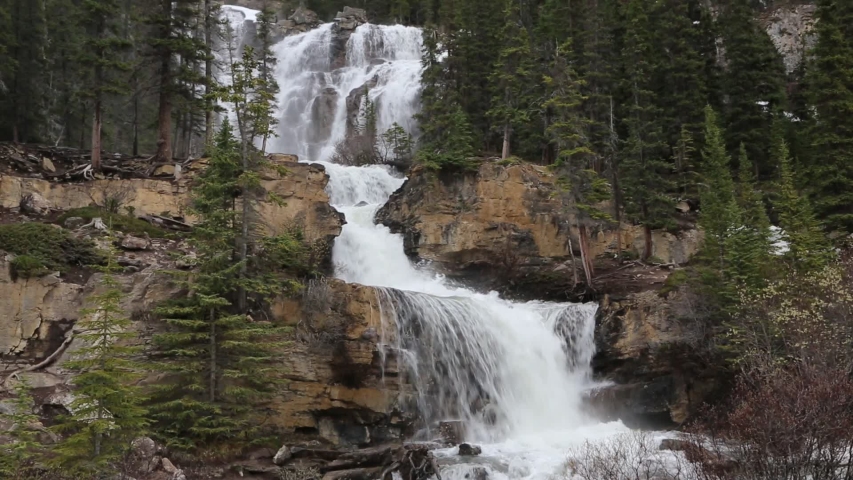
{"x": 266, "y": 62}
{"x": 107, "y": 411}
{"x": 22, "y": 112}
{"x": 753, "y": 82}
{"x": 219, "y": 358}
{"x": 830, "y": 94}
{"x": 511, "y": 79}
{"x": 719, "y": 213}
{"x": 685, "y": 166}
{"x": 18, "y": 457}
{"x": 808, "y": 248}
{"x": 101, "y": 56}
{"x": 645, "y": 166}
{"x": 750, "y": 245}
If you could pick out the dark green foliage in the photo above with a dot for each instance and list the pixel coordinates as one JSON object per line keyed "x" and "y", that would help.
{"x": 513, "y": 78}
{"x": 753, "y": 82}
{"x": 124, "y": 223}
{"x": 107, "y": 411}
{"x": 219, "y": 360}
{"x": 830, "y": 95}
{"x": 19, "y": 457}
{"x": 808, "y": 248}
{"x": 719, "y": 212}
{"x": 25, "y": 266}
{"x": 646, "y": 168}
{"x": 54, "y": 247}
{"x": 749, "y": 246}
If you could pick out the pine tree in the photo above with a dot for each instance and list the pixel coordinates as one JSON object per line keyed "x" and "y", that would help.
{"x": 646, "y": 168}
{"x": 107, "y": 411}
{"x": 218, "y": 358}
{"x": 511, "y": 79}
{"x": 19, "y": 456}
{"x": 830, "y": 94}
{"x": 753, "y": 82}
{"x": 101, "y": 56}
{"x": 719, "y": 214}
{"x": 808, "y": 248}
{"x": 266, "y": 67}
{"x": 685, "y": 166}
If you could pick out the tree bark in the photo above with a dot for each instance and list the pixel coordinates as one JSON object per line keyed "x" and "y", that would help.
{"x": 208, "y": 73}
{"x": 164, "y": 116}
{"x": 96, "y": 137}
{"x": 585, "y": 258}
{"x": 647, "y": 251}
{"x": 505, "y": 151}
{"x": 212, "y": 386}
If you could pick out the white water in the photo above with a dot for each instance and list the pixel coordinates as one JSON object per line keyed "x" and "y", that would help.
{"x": 513, "y": 372}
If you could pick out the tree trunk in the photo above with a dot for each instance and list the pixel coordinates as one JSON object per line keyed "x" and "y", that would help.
{"x": 244, "y": 234}
{"x": 96, "y": 137}
{"x": 505, "y": 151}
{"x": 136, "y": 124}
{"x": 585, "y": 258}
{"x": 208, "y": 73}
{"x": 164, "y": 116}
{"x": 647, "y": 251}
{"x": 212, "y": 386}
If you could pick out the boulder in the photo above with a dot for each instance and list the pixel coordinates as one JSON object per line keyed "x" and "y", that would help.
{"x": 168, "y": 466}
{"x": 35, "y": 204}
{"x": 468, "y": 450}
{"x": 47, "y": 165}
{"x": 282, "y": 456}
{"x": 129, "y": 242}
{"x": 72, "y": 223}
{"x": 452, "y": 432}
{"x": 304, "y": 16}
{"x": 165, "y": 171}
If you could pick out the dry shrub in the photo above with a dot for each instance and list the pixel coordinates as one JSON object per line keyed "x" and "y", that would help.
{"x": 793, "y": 422}
{"x": 631, "y": 456}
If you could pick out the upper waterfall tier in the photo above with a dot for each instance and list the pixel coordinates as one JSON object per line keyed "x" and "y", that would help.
{"x": 318, "y": 104}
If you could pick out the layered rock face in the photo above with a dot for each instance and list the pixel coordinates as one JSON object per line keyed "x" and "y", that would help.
{"x": 505, "y": 227}
{"x": 790, "y": 26}
{"x": 337, "y": 387}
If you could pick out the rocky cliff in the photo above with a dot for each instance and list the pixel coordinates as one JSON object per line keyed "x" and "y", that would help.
{"x": 506, "y": 228}
{"x": 336, "y": 389}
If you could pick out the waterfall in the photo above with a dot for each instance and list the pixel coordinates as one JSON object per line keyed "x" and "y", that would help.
{"x": 513, "y": 372}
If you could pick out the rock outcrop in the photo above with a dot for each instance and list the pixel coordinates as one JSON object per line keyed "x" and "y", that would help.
{"x": 345, "y": 23}
{"x": 509, "y": 225}
{"x": 652, "y": 345}
{"x": 790, "y": 26}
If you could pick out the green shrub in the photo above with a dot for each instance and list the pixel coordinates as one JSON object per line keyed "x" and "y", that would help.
{"x": 124, "y": 223}
{"x": 54, "y": 248}
{"x": 26, "y": 266}
{"x": 673, "y": 281}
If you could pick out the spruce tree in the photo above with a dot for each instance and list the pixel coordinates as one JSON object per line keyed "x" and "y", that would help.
{"x": 101, "y": 56}
{"x": 753, "y": 83}
{"x": 266, "y": 62}
{"x": 830, "y": 95}
{"x": 19, "y": 456}
{"x": 511, "y": 80}
{"x": 808, "y": 248}
{"x": 646, "y": 167}
{"x": 749, "y": 245}
{"x": 218, "y": 358}
{"x": 719, "y": 214}
{"x": 107, "y": 411}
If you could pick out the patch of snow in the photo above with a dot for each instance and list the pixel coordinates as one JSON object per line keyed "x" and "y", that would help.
{"x": 780, "y": 246}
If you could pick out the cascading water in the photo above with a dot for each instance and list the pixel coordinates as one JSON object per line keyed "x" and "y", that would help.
{"x": 512, "y": 372}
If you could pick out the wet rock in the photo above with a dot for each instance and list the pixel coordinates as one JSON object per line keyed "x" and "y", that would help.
{"x": 350, "y": 18}
{"x": 72, "y": 223}
{"x": 35, "y": 204}
{"x": 323, "y": 111}
{"x": 468, "y": 450}
{"x": 129, "y": 242}
{"x": 282, "y": 456}
{"x": 477, "y": 473}
{"x": 354, "y": 474}
{"x": 673, "y": 444}
{"x": 452, "y": 432}
{"x": 304, "y": 16}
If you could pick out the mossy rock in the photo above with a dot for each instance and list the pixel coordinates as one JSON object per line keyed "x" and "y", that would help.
{"x": 124, "y": 223}
{"x": 41, "y": 247}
